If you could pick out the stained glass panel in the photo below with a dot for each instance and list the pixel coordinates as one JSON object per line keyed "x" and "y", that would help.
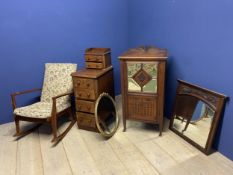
{"x": 150, "y": 68}
{"x": 133, "y": 86}
{"x": 151, "y": 86}
{"x": 132, "y": 68}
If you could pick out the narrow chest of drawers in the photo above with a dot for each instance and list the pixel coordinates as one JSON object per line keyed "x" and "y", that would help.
{"x": 88, "y": 85}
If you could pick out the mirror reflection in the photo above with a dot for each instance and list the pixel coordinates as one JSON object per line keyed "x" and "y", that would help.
{"x": 106, "y": 115}
{"x": 196, "y": 114}
{"x": 195, "y": 121}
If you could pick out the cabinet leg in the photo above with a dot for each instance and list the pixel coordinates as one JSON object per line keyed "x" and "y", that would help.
{"x": 160, "y": 129}
{"x": 124, "y": 124}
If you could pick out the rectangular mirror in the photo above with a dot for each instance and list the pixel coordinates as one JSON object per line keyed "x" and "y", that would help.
{"x": 196, "y": 113}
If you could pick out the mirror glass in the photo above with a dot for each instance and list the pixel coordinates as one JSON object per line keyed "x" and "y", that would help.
{"x": 107, "y": 120}
{"x": 151, "y": 86}
{"x": 133, "y": 86}
{"x": 150, "y": 68}
{"x": 195, "y": 123}
{"x": 142, "y": 77}
{"x": 196, "y": 113}
{"x": 132, "y": 68}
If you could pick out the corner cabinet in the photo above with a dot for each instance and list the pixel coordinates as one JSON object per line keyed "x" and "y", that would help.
{"x": 142, "y": 85}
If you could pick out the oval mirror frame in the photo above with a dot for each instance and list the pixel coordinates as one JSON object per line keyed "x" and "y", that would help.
{"x": 102, "y": 132}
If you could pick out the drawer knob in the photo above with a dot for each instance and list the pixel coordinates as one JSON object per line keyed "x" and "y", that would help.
{"x": 79, "y": 106}
{"x": 88, "y": 94}
{"x": 88, "y": 84}
{"x": 79, "y": 95}
{"x": 88, "y": 108}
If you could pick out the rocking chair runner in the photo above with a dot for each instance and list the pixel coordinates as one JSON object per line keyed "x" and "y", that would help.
{"x": 54, "y": 102}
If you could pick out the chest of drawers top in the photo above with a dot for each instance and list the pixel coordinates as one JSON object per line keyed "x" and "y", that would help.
{"x": 91, "y": 73}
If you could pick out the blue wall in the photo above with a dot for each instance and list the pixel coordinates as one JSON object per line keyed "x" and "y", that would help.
{"x": 197, "y": 33}
{"x": 34, "y": 32}
{"x": 199, "y": 37}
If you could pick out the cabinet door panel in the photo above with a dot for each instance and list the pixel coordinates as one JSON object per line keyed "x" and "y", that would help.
{"x": 132, "y": 68}
{"x": 133, "y": 86}
{"x": 150, "y": 68}
{"x": 151, "y": 86}
{"x": 142, "y": 77}
{"x": 142, "y": 107}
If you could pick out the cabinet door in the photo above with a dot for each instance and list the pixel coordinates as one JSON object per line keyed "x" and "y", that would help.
{"x": 142, "y": 107}
{"x": 142, "y": 77}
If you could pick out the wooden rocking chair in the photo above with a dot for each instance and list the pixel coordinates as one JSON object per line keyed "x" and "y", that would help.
{"x": 55, "y": 100}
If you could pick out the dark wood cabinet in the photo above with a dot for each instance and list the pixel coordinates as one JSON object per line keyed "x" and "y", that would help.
{"x": 142, "y": 84}
{"x": 88, "y": 85}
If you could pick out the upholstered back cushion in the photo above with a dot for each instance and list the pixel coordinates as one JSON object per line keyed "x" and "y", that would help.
{"x": 57, "y": 80}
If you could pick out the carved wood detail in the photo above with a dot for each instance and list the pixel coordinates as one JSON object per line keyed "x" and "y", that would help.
{"x": 213, "y": 100}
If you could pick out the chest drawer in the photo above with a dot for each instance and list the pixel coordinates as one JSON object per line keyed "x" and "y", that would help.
{"x": 85, "y": 94}
{"x": 94, "y": 58}
{"x": 85, "y": 106}
{"x": 86, "y": 121}
{"x": 84, "y": 83}
{"x": 94, "y": 65}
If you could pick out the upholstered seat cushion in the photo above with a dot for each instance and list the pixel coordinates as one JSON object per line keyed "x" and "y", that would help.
{"x": 39, "y": 110}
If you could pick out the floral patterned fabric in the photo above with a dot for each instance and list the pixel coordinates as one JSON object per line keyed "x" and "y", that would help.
{"x": 57, "y": 80}
{"x": 39, "y": 110}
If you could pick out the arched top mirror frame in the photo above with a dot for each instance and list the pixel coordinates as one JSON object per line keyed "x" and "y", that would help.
{"x": 188, "y": 94}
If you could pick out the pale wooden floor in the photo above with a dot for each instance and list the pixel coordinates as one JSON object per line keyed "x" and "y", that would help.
{"x": 138, "y": 151}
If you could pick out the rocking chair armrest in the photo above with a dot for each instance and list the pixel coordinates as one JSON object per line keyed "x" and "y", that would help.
{"x": 61, "y": 95}
{"x": 54, "y": 106}
{"x": 26, "y": 92}
{"x": 13, "y": 100}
